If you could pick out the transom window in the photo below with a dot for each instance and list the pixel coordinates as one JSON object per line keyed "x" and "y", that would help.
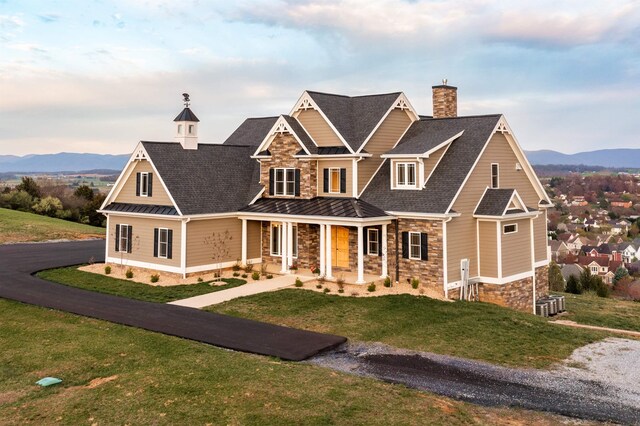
{"x": 406, "y": 175}
{"x": 373, "y": 241}
{"x": 334, "y": 181}
{"x": 144, "y": 184}
{"x": 510, "y": 229}
{"x": 414, "y": 245}
{"x": 285, "y": 181}
{"x": 163, "y": 242}
{"x": 276, "y": 240}
{"x": 495, "y": 175}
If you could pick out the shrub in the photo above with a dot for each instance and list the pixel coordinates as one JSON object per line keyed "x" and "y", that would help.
{"x": 326, "y": 290}
{"x": 387, "y": 282}
{"x": 269, "y": 276}
{"x": 244, "y": 275}
{"x": 21, "y": 200}
{"x": 155, "y": 278}
{"x": 318, "y": 285}
{"x": 315, "y": 270}
{"x": 321, "y": 279}
{"x": 236, "y": 267}
{"x": 298, "y": 282}
{"x": 248, "y": 268}
{"x": 236, "y": 274}
{"x": 107, "y": 270}
{"x": 586, "y": 280}
{"x": 255, "y": 276}
{"x": 200, "y": 279}
{"x": 129, "y": 273}
{"x": 47, "y": 206}
{"x": 602, "y": 290}
{"x": 341, "y": 290}
{"x": 340, "y": 280}
{"x": 415, "y": 283}
{"x": 341, "y": 286}
{"x": 620, "y": 273}
{"x": 294, "y": 267}
{"x": 573, "y": 285}
{"x": 371, "y": 287}
{"x": 556, "y": 280}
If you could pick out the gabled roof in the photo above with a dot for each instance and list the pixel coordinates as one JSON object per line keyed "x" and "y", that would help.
{"x": 319, "y": 206}
{"x": 301, "y": 134}
{"x": 496, "y": 202}
{"x": 425, "y": 136}
{"x": 210, "y": 179}
{"x": 287, "y": 124}
{"x": 251, "y": 132}
{"x": 186, "y": 115}
{"x": 445, "y": 181}
{"x": 354, "y": 117}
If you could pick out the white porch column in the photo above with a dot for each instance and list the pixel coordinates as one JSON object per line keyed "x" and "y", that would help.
{"x": 289, "y": 244}
{"x": 385, "y": 271}
{"x": 323, "y": 250}
{"x": 328, "y": 257}
{"x": 244, "y": 242}
{"x": 360, "y": 256}
{"x": 283, "y": 247}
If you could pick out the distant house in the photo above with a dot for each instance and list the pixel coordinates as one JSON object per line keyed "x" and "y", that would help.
{"x": 559, "y": 250}
{"x": 623, "y": 204}
{"x": 570, "y": 269}
{"x": 600, "y": 266}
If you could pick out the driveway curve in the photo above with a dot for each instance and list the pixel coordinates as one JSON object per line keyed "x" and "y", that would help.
{"x": 18, "y": 263}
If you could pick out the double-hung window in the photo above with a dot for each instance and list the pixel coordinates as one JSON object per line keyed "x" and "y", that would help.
{"x": 276, "y": 240}
{"x": 334, "y": 181}
{"x": 144, "y": 182}
{"x": 414, "y": 246}
{"x": 123, "y": 238}
{"x": 285, "y": 181}
{"x": 373, "y": 241}
{"x": 495, "y": 175}
{"x": 163, "y": 242}
{"x": 406, "y": 175}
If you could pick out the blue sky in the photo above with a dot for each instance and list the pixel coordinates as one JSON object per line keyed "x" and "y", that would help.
{"x": 97, "y": 76}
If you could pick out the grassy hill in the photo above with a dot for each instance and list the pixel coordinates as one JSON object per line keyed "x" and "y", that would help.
{"x": 18, "y": 227}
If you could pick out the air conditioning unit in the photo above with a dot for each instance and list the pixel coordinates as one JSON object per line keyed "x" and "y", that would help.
{"x": 542, "y": 309}
{"x": 551, "y": 303}
{"x": 560, "y": 300}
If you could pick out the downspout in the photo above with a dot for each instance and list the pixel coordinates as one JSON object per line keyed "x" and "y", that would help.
{"x": 397, "y": 256}
{"x": 183, "y": 248}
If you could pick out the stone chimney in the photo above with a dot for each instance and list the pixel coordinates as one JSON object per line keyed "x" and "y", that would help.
{"x": 445, "y": 100}
{"x": 187, "y": 126}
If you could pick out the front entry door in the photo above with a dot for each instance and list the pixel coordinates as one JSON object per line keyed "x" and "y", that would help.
{"x": 340, "y": 246}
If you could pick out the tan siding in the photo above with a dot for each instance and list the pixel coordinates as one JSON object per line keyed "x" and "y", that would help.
{"x": 540, "y": 237}
{"x": 461, "y": 231}
{"x": 318, "y": 128}
{"x": 383, "y": 140}
{"x": 488, "y": 249}
{"x": 516, "y": 248}
{"x": 142, "y": 243}
{"x": 128, "y": 192}
{"x": 343, "y": 164}
{"x": 253, "y": 239}
{"x": 200, "y": 252}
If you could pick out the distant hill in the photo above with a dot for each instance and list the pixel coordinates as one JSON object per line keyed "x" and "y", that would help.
{"x": 620, "y": 157}
{"x": 64, "y": 161}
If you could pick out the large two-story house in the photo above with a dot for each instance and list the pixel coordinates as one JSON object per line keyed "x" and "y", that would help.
{"x": 361, "y": 184}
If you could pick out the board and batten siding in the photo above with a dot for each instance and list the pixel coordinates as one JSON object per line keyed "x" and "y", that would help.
{"x": 127, "y": 194}
{"x": 383, "y": 140}
{"x": 461, "y": 231}
{"x": 516, "y": 248}
{"x": 338, "y": 164}
{"x": 488, "y": 249}
{"x": 318, "y": 128}
{"x": 201, "y": 252}
{"x": 142, "y": 242}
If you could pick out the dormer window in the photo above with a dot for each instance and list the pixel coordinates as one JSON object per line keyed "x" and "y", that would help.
{"x": 406, "y": 175}
{"x": 495, "y": 175}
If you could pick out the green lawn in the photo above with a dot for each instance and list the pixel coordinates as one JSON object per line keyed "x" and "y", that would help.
{"x": 18, "y": 226}
{"x": 114, "y": 374}
{"x": 95, "y": 282}
{"x": 467, "y": 329}
{"x": 590, "y": 309}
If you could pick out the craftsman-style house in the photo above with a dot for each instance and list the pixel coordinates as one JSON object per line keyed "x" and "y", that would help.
{"x": 361, "y": 184}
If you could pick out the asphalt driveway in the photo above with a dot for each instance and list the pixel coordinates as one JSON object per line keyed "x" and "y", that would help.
{"x": 19, "y": 261}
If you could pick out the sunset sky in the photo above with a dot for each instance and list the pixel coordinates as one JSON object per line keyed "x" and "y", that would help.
{"x": 97, "y": 76}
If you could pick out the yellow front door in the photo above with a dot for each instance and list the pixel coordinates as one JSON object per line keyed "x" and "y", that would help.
{"x": 340, "y": 246}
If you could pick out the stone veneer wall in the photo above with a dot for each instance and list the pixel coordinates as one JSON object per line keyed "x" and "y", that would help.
{"x": 308, "y": 246}
{"x": 430, "y": 272}
{"x": 516, "y": 294}
{"x": 282, "y": 149}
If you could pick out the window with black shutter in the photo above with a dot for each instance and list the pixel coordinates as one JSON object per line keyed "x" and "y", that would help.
{"x": 325, "y": 181}
{"x": 162, "y": 246}
{"x": 123, "y": 238}
{"x": 405, "y": 245}
{"x": 343, "y": 181}
{"x": 284, "y": 181}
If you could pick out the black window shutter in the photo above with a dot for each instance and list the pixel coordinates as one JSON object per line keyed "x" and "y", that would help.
{"x": 297, "y": 175}
{"x": 137, "y": 184}
{"x": 366, "y": 241}
{"x": 155, "y": 242}
{"x": 130, "y": 237}
{"x": 379, "y": 240}
{"x": 117, "y": 237}
{"x": 150, "y": 184}
{"x": 325, "y": 185}
{"x": 169, "y": 243}
{"x": 343, "y": 181}
{"x": 424, "y": 248}
{"x": 405, "y": 245}
{"x": 271, "y": 181}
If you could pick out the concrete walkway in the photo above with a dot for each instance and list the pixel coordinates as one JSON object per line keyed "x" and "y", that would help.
{"x": 242, "y": 291}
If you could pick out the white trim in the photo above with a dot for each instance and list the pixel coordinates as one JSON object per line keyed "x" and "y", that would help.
{"x": 163, "y": 184}
{"x": 139, "y": 189}
{"x": 354, "y": 178}
{"x": 106, "y": 239}
{"x": 324, "y": 156}
{"x": 523, "y": 206}
{"x": 154, "y": 216}
{"x": 419, "y": 246}
{"x": 401, "y": 103}
{"x": 280, "y": 126}
{"x": 323, "y": 250}
{"x": 328, "y": 257}
{"x": 119, "y": 240}
{"x": 395, "y": 174}
{"x": 360, "y": 279}
{"x": 138, "y": 154}
{"x": 383, "y": 251}
{"x": 504, "y": 225}
{"x": 417, "y": 215}
{"x": 445, "y": 258}
{"x": 478, "y": 245}
{"x": 504, "y": 280}
{"x": 497, "y": 176}
{"x": 166, "y": 256}
{"x": 541, "y": 263}
{"x": 436, "y": 165}
{"x": 330, "y": 220}
{"x": 271, "y": 233}
{"x": 533, "y": 259}
{"x": 427, "y": 153}
{"x": 257, "y": 197}
{"x": 213, "y": 266}
{"x": 514, "y": 216}
{"x": 331, "y": 180}
{"x": 148, "y": 265}
{"x": 499, "y": 254}
{"x": 377, "y": 240}
{"x": 183, "y": 247}
{"x": 243, "y": 243}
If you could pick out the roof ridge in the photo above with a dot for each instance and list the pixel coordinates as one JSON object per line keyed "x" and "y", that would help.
{"x": 462, "y": 116}
{"x": 356, "y": 96}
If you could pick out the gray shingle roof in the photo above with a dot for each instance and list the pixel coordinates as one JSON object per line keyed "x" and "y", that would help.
{"x": 210, "y": 179}
{"x": 186, "y": 115}
{"x": 301, "y": 133}
{"x": 446, "y": 179}
{"x": 426, "y": 135}
{"x": 251, "y": 132}
{"x": 142, "y": 208}
{"x": 494, "y": 202}
{"x": 319, "y": 206}
{"x": 354, "y": 117}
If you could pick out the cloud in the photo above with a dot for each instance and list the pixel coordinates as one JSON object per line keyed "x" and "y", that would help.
{"x": 10, "y": 26}
{"x": 49, "y": 18}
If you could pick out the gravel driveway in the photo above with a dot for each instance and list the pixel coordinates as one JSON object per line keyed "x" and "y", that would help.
{"x": 595, "y": 383}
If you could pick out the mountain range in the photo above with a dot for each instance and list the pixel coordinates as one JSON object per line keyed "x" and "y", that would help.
{"x": 74, "y": 162}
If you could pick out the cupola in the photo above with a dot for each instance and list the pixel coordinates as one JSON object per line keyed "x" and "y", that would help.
{"x": 187, "y": 126}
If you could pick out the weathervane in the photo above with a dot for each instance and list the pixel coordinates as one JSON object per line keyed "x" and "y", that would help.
{"x": 186, "y": 99}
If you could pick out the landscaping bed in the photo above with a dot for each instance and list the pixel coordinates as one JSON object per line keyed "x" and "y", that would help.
{"x": 74, "y": 277}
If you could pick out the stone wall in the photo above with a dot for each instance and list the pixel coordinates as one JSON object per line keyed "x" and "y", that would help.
{"x": 282, "y": 150}
{"x": 542, "y": 281}
{"x": 308, "y": 246}
{"x": 516, "y": 294}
